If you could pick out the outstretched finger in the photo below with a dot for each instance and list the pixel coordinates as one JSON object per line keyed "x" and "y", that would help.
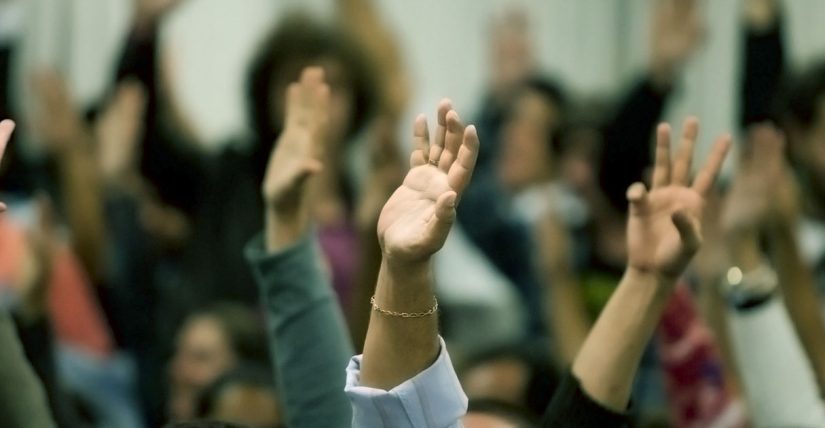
{"x": 689, "y": 230}
{"x": 461, "y": 171}
{"x": 421, "y": 137}
{"x": 437, "y": 144}
{"x": 684, "y": 160}
{"x": 452, "y": 142}
{"x": 6, "y": 129}
{"x": 661, "y": 169}
{"x": 637, "y": 197}
{"x": 707, "y": 176}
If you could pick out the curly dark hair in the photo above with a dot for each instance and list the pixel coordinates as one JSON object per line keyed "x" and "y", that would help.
{"x": 296, "y": 42}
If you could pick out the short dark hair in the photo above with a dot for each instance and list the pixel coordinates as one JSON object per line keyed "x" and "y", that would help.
{"x": 551, "y": 91}
{"x": 246, "y": 374}
{"x": 296, "y": 42}
{"x": 801, "y": 96}
{"x": 517, "y": 415}
{"x": 203, "y": 424}
{"x": 542, "y": 376}
{"x": 243, "y": 327}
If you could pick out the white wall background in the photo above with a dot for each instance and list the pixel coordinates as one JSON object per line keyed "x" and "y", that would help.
{"x": 594, "y": 46}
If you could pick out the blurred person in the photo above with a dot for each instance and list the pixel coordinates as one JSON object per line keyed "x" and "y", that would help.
{"x": 305, "y": 324}
{"x": 245, "y": 395}
{"x": 763, "y": 205}
{"x": 495, "y": 414}
{"x": 402, "y": 341}
{"x": 521, "y": 376}
{"x": 23, "y": 400}
{"x": 210, "y": 343}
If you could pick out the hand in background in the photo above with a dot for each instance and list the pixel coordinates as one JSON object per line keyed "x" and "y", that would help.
{"x": 760, "y": 15}
{"x": 764, "y": 191}
{"x": 664, "y": 227}
{"x": 149, "y": 12}
{"x": 58, "y": 123}
{"x": 676, "y": 32}
{"x": 295, "y": 158}
{"x": 417, "y": 218}
{"x": 6, "y": 129}
{"x": 386, "y": 172}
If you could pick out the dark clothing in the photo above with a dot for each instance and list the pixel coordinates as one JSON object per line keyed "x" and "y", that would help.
{"x": 627, "y": 147}
{"x": 764, "y": 64}
{"x": 572, "y": 407}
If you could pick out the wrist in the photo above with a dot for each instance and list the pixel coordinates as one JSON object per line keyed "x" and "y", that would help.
{"x": 283, "y": 230}
{"x": 405, "y": 286}
{"x": 744, "y": 250}
{"x": 661, "y": 280}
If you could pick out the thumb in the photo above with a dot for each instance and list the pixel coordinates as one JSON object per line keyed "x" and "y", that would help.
{"x": 689, "y": 231}
{"x": 637, "y": 197}
{"x": 444, "y": 215}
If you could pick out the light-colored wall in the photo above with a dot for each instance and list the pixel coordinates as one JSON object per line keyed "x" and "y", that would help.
{"x": 594, "y": 46}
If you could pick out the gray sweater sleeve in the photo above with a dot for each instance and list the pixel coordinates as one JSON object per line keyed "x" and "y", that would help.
{"x": 22, "y": 399}
{"x": 308, "y": 338}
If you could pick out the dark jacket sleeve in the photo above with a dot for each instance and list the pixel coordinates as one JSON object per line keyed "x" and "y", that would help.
{"x": 764, "y": 64}
{"x": 23, "y": 401}
{"x": 627, "y": 141}
{"x": 307, "y": 334}
{"x": 572, "y": 407}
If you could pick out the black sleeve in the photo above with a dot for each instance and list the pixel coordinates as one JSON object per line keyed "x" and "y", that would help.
{"x": 764, "y": 63}
{"x": 627, "y": 149}
{"x": 572, "y": 407}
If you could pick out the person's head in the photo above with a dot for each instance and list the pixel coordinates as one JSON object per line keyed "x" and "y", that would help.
{"x": 297, "y": 42}
{"x": 801, "y": 113}
{"x": 497, "y": 414}
{"x": 530, "y": 135}
{"x": 244, "y": 395}
{"x": 520, "y": 375}
{"x": 210, "y": 342}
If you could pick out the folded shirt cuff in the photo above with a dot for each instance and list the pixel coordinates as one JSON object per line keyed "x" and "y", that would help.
{"x": 433, "y": 398}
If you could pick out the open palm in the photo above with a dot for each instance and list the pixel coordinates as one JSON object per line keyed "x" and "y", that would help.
{"x": 663, "y": 230}
{"x": 416, "y": 220}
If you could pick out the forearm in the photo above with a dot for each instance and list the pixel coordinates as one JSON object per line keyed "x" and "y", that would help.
{"x": 609, "y": 358}
{"x": 396, "y": 348}
{"x": 369, "y": 266}
{"x": 569, "y": 322}
{"x": 307, "y": 333}
{"x": 801, "y": 297}
{"x": 22, "y": 399}
{"x": 81, "y": 189}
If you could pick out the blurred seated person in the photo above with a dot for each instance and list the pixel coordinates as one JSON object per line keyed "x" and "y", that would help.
{"x": 244, "y": 395}
{"x": 211, "y": 342}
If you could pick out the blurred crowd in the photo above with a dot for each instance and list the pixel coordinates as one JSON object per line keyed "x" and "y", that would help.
{"x": 149, "y": 282}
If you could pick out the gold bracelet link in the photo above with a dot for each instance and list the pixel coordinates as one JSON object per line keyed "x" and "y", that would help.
{"x": 382, "y": 311}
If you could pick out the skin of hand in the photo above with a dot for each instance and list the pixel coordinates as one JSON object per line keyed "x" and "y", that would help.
{"x": 58, "y": 122}
{"x": 413, "y": 226}
{"x": 760, "y": 15}
{"x": 417, "y": 218}
{"x": 118, "y": 132}
{"x": 663, "y": 234}
{"x": 664, "y": 226}
{"x": 296, "y": 158}
{"x": 149, "y": 12}
{"x": 677, "y": 29}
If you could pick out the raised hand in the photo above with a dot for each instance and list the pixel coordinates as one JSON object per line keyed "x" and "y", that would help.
{"x": 676, "y": 32}
{"x": 6, "y": 129}
{"x": 296, "y": 155}
{"x": 148, "y": 12}
{"x": 663, "y": 230}
{"x": 118, "y": 132}
{"x": 763, "y": 191}
{"x": 417, "y": 218}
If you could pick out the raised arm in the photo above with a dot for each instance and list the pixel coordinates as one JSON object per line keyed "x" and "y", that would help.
{"x": 402, "y": 352}
{"x": 308, "y": 338}
{"x": 22, "y": 398}
{"x": 675, "y": 34}
{"x": 663, "y": 233}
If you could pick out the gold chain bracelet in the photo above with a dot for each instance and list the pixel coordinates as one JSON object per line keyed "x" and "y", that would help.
{"x": 429, "y": 312}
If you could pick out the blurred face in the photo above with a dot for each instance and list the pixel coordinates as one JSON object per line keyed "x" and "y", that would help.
{"x": 484, "y": 420}
{"x": 526, "y": 155}
{"x": 248, "y": 405}
{"x": 203, "y": 353}
{"x": 504, "y": 380}
{"x": 342, "y": 100}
